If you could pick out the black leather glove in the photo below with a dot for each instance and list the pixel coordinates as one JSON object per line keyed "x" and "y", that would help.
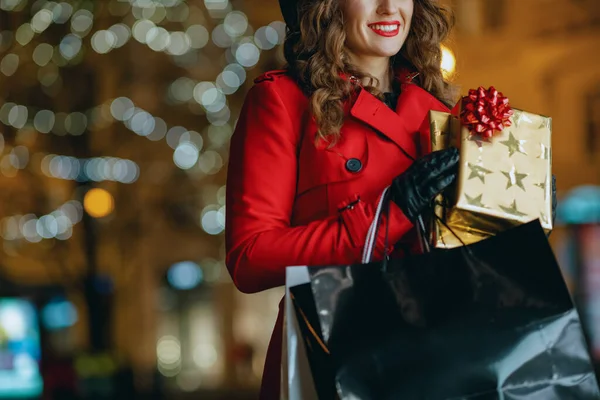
{"x": 416, "y": 187}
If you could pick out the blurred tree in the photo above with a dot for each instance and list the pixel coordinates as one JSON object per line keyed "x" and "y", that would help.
{"x": 136, "y": 98}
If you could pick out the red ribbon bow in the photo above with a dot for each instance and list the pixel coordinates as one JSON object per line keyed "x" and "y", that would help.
{"x": 485, "y": 111}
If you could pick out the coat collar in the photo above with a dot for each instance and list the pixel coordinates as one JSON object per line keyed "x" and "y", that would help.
{"x": 373, "y": 112}
{"x": 401, "y": 126}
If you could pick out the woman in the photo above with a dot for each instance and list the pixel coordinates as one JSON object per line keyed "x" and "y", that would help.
{"x": 316, "y": 144}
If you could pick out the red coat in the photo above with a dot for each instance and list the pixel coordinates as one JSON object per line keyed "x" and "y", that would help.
{"x": 291, "y": 202}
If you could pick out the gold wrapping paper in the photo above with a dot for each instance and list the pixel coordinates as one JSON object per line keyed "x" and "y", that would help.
{"x": 502, "y": 182}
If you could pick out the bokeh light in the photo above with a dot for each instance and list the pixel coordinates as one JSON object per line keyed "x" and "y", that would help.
{"x": 185, "y": 275}
{"x": 168, "y": 354}
{"x": 448, "y": 62}
{"x": 58, "y": 224}
{"x": 59, "y": 313}
{"x": 98, "y": 202}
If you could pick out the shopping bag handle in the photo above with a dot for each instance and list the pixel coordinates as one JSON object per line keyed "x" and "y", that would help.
{"x": 383, "y": 208}
{"x": 371, "y": 239}
{"x": 423, "y": 235}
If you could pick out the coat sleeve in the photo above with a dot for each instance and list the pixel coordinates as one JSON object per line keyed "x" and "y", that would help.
{"x": 261, "y": 188}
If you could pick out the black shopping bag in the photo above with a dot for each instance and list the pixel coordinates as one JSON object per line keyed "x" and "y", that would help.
{"x": 492, "y": 320}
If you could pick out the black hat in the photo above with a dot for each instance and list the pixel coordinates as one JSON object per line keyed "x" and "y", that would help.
{"x": 289, "y": 10}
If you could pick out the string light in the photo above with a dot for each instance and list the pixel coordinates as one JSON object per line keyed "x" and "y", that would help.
{"x": 186, "y": 143}
{"x": 210, "y": 96}
{"x": 246, "y": 52}
{"x": 145, "y": 30}
{"x": 196, "y": 152}
{"x": 96, "y": 169}
{"x": 58, "y": 224}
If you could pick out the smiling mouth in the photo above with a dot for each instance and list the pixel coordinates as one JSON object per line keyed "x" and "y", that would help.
{"x": 388, "y": 29}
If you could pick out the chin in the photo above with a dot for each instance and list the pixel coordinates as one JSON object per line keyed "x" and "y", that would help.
{"x": 388, "y": 52}
{"x": 387, "y": 49}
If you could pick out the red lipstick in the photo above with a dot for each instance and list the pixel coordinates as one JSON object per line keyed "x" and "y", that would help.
{"x": 386, "y": 28}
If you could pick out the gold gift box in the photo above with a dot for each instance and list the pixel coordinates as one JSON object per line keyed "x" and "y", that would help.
{"x": 502, "y": 182}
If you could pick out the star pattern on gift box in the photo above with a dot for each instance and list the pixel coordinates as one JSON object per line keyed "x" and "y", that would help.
{"x": 514, "y": 145}
{"x": 516, "y": 118}
{"x": 544, "y": 219}
{"x": 544, "y": 152}
{"x": 545, "y": 124}
{"x": 512, "y": 209}
{"x": 478, "y": 140}
{"x": 475, "y": 201}
{"x": 514, "y": 178}
{"x": 478, "y": 171}
{"x": 543, "y": 185}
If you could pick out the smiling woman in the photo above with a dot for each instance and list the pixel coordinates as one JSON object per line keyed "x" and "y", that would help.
{"x": 317, "y": 143}
{"x": 336, "y": 38}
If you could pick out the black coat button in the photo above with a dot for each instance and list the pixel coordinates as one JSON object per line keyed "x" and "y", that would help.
{"x": 353, "y": 165}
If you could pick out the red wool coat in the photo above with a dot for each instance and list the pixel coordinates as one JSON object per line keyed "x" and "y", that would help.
{"x": 291, "y": 202}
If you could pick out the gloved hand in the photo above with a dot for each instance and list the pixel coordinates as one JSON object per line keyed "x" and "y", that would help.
{"x": 416, "y": 187}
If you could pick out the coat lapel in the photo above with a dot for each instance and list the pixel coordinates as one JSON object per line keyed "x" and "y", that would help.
{"x": 404, "y": 126}
{"x": 370, "y": 110}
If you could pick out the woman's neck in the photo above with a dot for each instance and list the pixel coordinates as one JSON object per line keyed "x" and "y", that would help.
{"x": 377, "y": 67}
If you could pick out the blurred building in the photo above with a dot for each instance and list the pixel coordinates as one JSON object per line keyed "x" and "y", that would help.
{"x": 115, "y": 121}
{"x": 542, "y": 55}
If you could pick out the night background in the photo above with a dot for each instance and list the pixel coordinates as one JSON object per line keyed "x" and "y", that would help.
{"x": 115, "y": 120}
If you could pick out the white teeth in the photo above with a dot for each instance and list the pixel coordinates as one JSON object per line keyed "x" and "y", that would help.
{"x": 385, "y": 28}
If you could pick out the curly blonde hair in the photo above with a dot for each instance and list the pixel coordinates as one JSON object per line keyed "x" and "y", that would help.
{"x": 316, "y": 56}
